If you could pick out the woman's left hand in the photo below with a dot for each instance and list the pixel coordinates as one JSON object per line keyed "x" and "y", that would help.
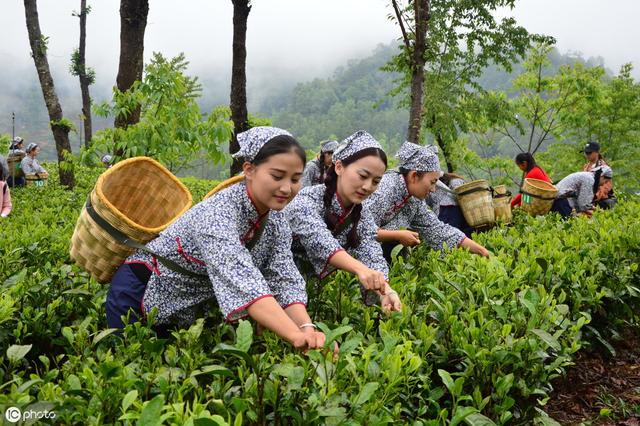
{"x": 390, "y": 302}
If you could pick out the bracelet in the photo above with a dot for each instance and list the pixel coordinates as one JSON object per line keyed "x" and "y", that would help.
{"x": 308, "y": 324}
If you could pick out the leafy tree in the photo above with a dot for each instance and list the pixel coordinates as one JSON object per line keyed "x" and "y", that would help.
{"x": 60, "y": 126}
{"x": 538, "y": 113}
{"x": 463, "y": 39}
{"x": 172, "y": 128}
{"x": 133, "y": 23}
{"x": 86, "y": 75}
{"x": 238, "y": 98}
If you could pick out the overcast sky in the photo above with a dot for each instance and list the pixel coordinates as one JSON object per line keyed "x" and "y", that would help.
{"x": 293, "y": 35}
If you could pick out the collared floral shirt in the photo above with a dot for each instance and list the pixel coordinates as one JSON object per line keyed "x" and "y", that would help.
{"x": 578, "y": 189}
{"x": 312, "y": 174}
{"x": 210, "y": 239}
{"x": 314, "y": 243}
{"x": 393, "y": 208}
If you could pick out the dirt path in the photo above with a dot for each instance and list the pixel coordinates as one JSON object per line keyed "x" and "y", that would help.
{"x": 601, "y": 389}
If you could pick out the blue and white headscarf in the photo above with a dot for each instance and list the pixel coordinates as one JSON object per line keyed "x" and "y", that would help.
{"x": 328, "y": 146}
{"x": 355, "y": 143}
{"x": 419, "y": 158}
{"x": 252, "y": 141}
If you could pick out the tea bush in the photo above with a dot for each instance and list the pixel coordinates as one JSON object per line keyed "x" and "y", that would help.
{"x": 478, "y": 341}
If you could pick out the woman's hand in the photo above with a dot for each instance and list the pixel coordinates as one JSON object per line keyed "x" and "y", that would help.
{"x": 372, "y": 280}
{"x": 408, "y": 238}
{"x": 309, "y": 339}
{"x": 474, "y": 247}
{"x": 390, "y": 302}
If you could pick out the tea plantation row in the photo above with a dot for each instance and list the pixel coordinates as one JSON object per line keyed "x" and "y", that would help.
{"x": 478, "y": 341}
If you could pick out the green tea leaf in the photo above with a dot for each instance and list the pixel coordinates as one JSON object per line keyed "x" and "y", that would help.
{"x": 244, "y": 336}
{"x": 104, "y": 333}
{"x": 547, "y": 338}
{"x": 477, "y": 419}
{"x": 150, "y": 415}
{"x": 366, "y": 393}
{"x": 17, "y": 352}
{"x": 128, "y": 399}
{"x": 446, "y": 379}
{"x": 462, "y": 413}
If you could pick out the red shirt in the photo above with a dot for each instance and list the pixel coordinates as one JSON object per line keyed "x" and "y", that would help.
{"x": 535, "y": 173}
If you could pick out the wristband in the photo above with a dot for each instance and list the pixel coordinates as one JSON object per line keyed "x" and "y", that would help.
{"x": 307, "y": 324}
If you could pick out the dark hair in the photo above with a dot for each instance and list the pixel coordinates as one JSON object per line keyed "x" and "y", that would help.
{"x": 280, "y": 144}
{"x": 448, "y": 177}
{"x": 404, "y": 172}
{"x": 323, "y": 168}
{"x": 331, "y": 183}
{"x": 526, "y": 156}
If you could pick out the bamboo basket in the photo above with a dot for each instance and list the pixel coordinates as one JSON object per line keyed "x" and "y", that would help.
{"x": 12, "y": 162}
{"x": 537, "y": 196}
{"x": 475, "y": 201}
{"x": 36, "y": 179}
{"x": 502, "y": 204}
{"x": 139, "y": 198}
{"x": 224, "y": 184}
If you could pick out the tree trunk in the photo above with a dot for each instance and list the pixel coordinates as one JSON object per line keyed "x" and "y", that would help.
{"x": 418, "y": 59}
{"x": 445, "y": 153}
{"x": 60, "y": 131}
{"x": 85, "y": 80}
{"x": 133, "y": 22}
{"x": 238, "y": 98}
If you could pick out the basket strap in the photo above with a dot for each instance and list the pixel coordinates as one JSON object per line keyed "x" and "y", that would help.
{"x": 471, "y": 191}
{"x": 536, "y": 196}
{"x": 506, "y": 194}
{"x": 256, "y": 236}
{"x": 123, "y": 239}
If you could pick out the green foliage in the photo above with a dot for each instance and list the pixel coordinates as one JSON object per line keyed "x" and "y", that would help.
{"x": 463, "y": 39}
{"x": 78, "y": 69}
{"x": 354, "y": 98}
{"x": 477, "y": 343}
{"x": 171, "y": 129}
{"x": 64, "y": 123}
{"x": 5, "y": 140}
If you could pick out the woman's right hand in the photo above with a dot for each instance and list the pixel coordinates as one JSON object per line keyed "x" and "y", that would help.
{"x": 408, "y": 238}
{"x": 372, "y": 280}
{"x": 305, "y": 340}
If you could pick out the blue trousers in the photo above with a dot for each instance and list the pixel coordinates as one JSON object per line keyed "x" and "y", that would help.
{"x": 124, "y": 297}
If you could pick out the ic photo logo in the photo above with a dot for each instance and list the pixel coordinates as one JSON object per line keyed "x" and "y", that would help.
{"x": 14, "y": 415}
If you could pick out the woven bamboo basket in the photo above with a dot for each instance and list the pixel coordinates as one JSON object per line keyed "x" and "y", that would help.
{"x": 224, "y": 184}
{"x": 475, "y": 201}
{"x": 139, "y": 198}
{"x": 537, "y": 196}
{"x": 12, "y": 162}
{"x": 502, "y": 204}
{"x": 36, "y": 179}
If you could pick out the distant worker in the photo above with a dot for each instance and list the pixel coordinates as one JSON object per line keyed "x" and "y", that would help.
{"x": 577, "y": 191}
{"x": 29, "y": 163}
{"x": 316, "y": 169}
{"x": 605, "y": 198}
{"x": 527, "y": 164}
{"x": 106, "y": 161}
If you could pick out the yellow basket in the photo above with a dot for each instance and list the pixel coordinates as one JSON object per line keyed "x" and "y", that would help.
{"x": 12, "y": 162}
{"x": 475, "y": 201}
{"x": 36, "y": 179}
{"x": 139, "y": 198}
{"x": 537, "y": 196}
{"x": 224, "y": 184}
{"x": 502, "y": 204}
